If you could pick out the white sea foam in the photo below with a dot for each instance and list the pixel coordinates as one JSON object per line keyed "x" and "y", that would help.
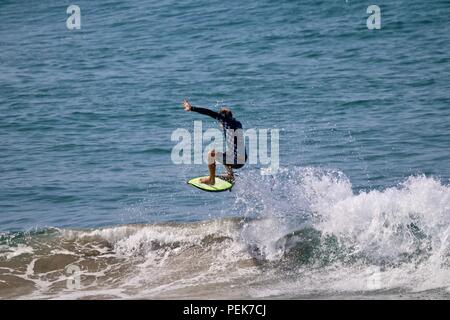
{"x": 382, "y": 241}
{"x": 10, "y": 252}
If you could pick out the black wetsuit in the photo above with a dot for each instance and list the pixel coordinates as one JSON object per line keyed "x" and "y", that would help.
{"x": 234, "y": 144}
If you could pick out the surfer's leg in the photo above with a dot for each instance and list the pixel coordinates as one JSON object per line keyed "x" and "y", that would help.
{"x": 212, "y": 169}
{"x": 222, "y": 158}
{"x": 229, "y": 176}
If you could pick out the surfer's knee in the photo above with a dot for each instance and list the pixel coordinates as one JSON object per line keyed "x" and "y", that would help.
{"x": 212, "y": 157}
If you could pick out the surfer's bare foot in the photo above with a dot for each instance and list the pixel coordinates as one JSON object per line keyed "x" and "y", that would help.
{"x": 228, "y": 177}
{"x": 208, "y": 180}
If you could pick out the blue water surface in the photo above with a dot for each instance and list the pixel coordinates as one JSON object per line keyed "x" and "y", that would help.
{"x": 86, "y": 116}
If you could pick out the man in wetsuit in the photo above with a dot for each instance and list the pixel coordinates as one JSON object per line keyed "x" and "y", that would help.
{"x": 235, "y": 156}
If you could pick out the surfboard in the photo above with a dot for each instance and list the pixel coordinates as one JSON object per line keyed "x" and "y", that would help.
{"x": 220, "y": 185}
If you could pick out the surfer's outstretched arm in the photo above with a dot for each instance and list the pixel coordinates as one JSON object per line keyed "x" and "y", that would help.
{"x": 207, "y": 112}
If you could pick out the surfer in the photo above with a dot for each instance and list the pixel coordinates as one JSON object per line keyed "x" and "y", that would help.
{"x": 235, "y": 156}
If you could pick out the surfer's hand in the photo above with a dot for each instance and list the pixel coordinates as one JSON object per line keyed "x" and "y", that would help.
{"x": 187, "y": 106}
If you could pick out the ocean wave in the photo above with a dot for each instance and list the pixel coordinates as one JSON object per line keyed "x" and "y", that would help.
{"x": 304, "y": 232}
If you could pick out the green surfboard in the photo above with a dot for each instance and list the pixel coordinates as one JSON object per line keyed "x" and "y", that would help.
{"x": 220, "y": 185}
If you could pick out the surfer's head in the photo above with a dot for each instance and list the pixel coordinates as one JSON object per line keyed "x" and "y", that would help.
{"x": 224, "y": 111}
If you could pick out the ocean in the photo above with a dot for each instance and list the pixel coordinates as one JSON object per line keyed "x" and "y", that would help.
{"x": 93, "y": 207}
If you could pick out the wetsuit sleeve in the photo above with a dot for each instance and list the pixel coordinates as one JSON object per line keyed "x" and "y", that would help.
{"x": 208, "y": 112}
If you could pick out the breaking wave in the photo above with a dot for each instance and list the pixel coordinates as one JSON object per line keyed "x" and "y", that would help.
{"x": 304, "y": 233}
